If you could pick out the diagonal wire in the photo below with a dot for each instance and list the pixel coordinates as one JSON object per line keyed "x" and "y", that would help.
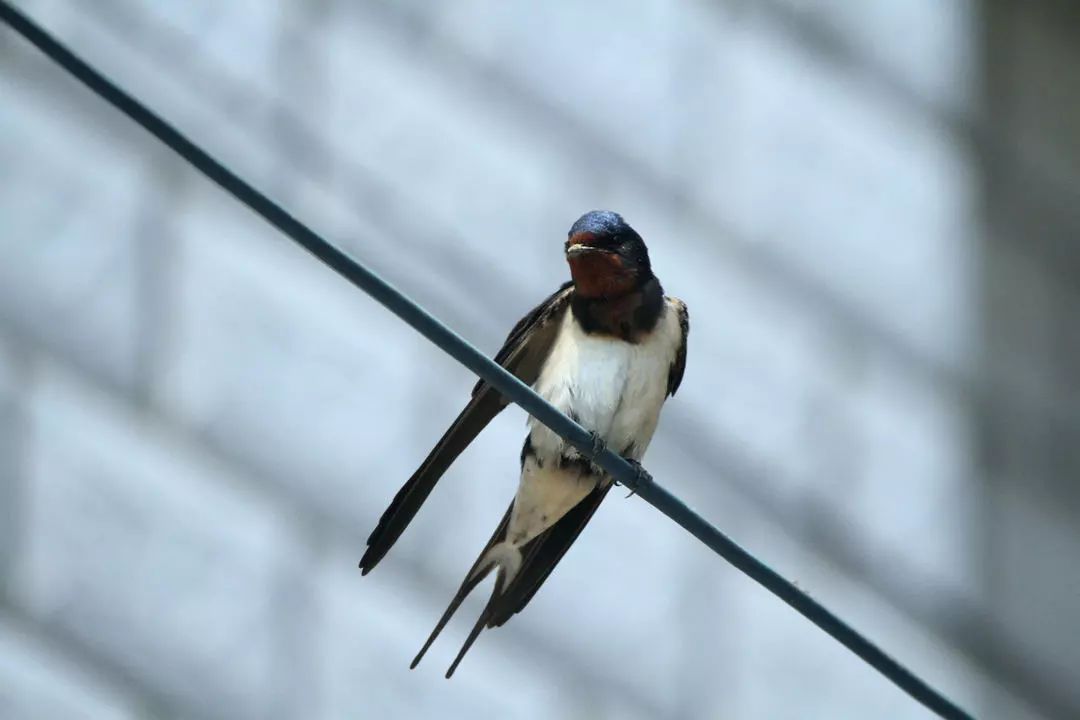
{"x": 458, "y": 348}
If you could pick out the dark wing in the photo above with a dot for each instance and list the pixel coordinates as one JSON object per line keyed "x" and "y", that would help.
{"x": 519, "y": 338}
{"x": 524, "y": 351}
{"x": 678, "y": 365}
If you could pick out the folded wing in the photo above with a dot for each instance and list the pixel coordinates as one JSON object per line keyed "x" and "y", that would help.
{"x": 523, "y": 353}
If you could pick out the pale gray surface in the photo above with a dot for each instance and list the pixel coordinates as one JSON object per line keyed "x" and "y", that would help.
{"x": 200, "y": 423}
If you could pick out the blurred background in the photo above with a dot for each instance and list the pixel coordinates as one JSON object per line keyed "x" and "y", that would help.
{"x": 872, "y": 210}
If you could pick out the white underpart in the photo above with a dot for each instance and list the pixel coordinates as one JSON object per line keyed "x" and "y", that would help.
{"x": 544, "y": 495}
{"x": 612, "y": 387}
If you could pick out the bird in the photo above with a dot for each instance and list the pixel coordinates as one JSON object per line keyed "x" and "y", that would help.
{"x": 607, "y": 349}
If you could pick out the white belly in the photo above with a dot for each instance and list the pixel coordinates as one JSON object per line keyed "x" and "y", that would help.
{"x": 611, "y": 387}
{"x": 544, "y": 495}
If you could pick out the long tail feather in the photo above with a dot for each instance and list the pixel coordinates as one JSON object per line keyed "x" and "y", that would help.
{"x": 480, "y": 570}
{"x": 481, "y": 622}
{"x": 473, "y": 579}
{"x": 518, "y": 578}
{"x": 543, "y": 554}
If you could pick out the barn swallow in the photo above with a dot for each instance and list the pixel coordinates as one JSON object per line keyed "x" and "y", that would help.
{"x": 607, "y": 348}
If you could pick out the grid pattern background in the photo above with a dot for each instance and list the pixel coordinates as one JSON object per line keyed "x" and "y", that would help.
{"x": 871, "y": 211}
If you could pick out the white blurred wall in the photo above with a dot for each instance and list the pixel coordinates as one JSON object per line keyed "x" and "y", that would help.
{"x": 199, "y": 424}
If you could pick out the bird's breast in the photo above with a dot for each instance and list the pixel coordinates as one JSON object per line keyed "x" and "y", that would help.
{"x": 609, "y": 386}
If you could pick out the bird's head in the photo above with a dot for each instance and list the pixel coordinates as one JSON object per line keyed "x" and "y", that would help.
{"x": 607, "y": 257}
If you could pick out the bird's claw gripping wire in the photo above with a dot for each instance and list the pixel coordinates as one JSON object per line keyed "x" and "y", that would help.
{"x": 596, "y": 449}
{"x": 642, "y": 475}
{"x": 598, "y": 445}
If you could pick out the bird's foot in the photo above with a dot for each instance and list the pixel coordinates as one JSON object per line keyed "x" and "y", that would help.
{"x": 597, "y": 449}
{"x": 598, "y": 444}
{"x": 642, "y": 476}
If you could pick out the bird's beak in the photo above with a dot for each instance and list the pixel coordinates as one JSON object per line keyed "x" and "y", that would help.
{"x": 577, "y": 250}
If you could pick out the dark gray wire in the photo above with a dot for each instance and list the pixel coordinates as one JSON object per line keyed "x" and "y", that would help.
{"x": 458, "y": 348}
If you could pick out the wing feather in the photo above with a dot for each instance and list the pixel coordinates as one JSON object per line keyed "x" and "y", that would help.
{"x": 678, "y": 365}
{"x": 524, "y": 351}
